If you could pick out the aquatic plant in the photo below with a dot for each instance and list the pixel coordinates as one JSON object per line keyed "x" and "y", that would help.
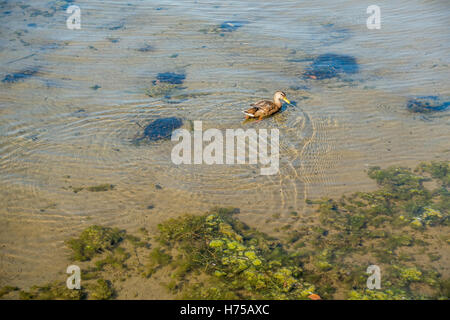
{"x": 437, "y": 170}
{"x": 161, "y": 90}
{"x": 51, "y": 291}
{"x": 216, "y": 256}
{"x": 100, "y": 187}
{"x": 102, "y": 290}
{"x": 115, "y": 259}
{"x": 7, "y": 289}
{"x": 242, "y": 262}
{"x": 380, "y": 224}
{"x": 93, "y": 240}
{"x": 157, "y": 259}
{"x": 368, "y": 294}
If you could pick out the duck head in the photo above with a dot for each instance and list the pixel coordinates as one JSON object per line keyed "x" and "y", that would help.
{"x": 279, "y": 96}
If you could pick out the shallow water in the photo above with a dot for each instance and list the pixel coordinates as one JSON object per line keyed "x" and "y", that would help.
{"x": 73, "y": 102}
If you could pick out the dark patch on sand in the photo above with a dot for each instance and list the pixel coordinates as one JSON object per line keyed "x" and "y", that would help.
{"x": 170, "y": 77}
{"x": 20, "y": 76}
{"x": 427, "y": 104}
{"x": 330, "y": 65}
{"x": 160, "y": 129}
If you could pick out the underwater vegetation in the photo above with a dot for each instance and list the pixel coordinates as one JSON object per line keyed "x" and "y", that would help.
{"x": 166, "y": 84}
{"x": 158, "y": 90}
{"x": 7, "y": 289}
{"x": 329, "y": 65}
{"x": 161, "y": 128}
{"x": 51, "y": 291}
{"x": 94, "y": 240}
{"x": 240, "y": 262}
{"x": 98, "y": 290}
{"x": 402, "y": 226}
{"x": 427, "y": 104}
{"x": 97, "y": 188}
{"x": 391, "y": 227}
{"x": 20, "y": 76}
{"x": 111, "y": 257}
{"x": 102, "y": 290}
{"x": 101, "y": 187}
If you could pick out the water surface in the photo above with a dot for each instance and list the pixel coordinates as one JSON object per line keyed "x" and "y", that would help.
{"x": 73, "y": 102}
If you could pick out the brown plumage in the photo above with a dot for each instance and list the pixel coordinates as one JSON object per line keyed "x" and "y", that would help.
{"x": 266, "y": 108}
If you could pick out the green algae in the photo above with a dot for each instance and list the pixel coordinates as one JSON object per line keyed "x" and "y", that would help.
{"x": 438, "y": 170}
{"x": 158, "y": 90}
{"x": 368, "y": 294}
{"x": 102, "y": 290}
{"x": 51, "y": 291}
{"x": 108, "y": 252}
{"x": 387, "y": 226}
{"x": 101, "y": 187}
{"x": 158, "y": 259}
{"x": 94, "y": 240}
{"x": 238, "y": 261}
{"x": 216, "y": 256}
{"x": 116, "y": 260}
{"x": 97, "y": 188}
{"x": 7, "y": 289}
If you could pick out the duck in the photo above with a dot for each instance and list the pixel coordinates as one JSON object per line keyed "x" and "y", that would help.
{"x": 265, "y": 108}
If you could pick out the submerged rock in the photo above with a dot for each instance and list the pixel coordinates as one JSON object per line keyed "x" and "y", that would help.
{"x": 161, "y": 128}
{"x": 331, "y": 65}
{"x": 427, "y": 104}
{"x": 170, "y": 77}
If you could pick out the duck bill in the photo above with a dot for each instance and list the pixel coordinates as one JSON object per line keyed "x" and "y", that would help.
{"x": 286, "y": 99}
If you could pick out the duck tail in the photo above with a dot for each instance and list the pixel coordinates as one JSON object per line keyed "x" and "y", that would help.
{"x": 248, "y": 114}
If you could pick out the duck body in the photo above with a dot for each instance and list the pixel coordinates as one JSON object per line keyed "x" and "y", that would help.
{"x": 265, "y": 108}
